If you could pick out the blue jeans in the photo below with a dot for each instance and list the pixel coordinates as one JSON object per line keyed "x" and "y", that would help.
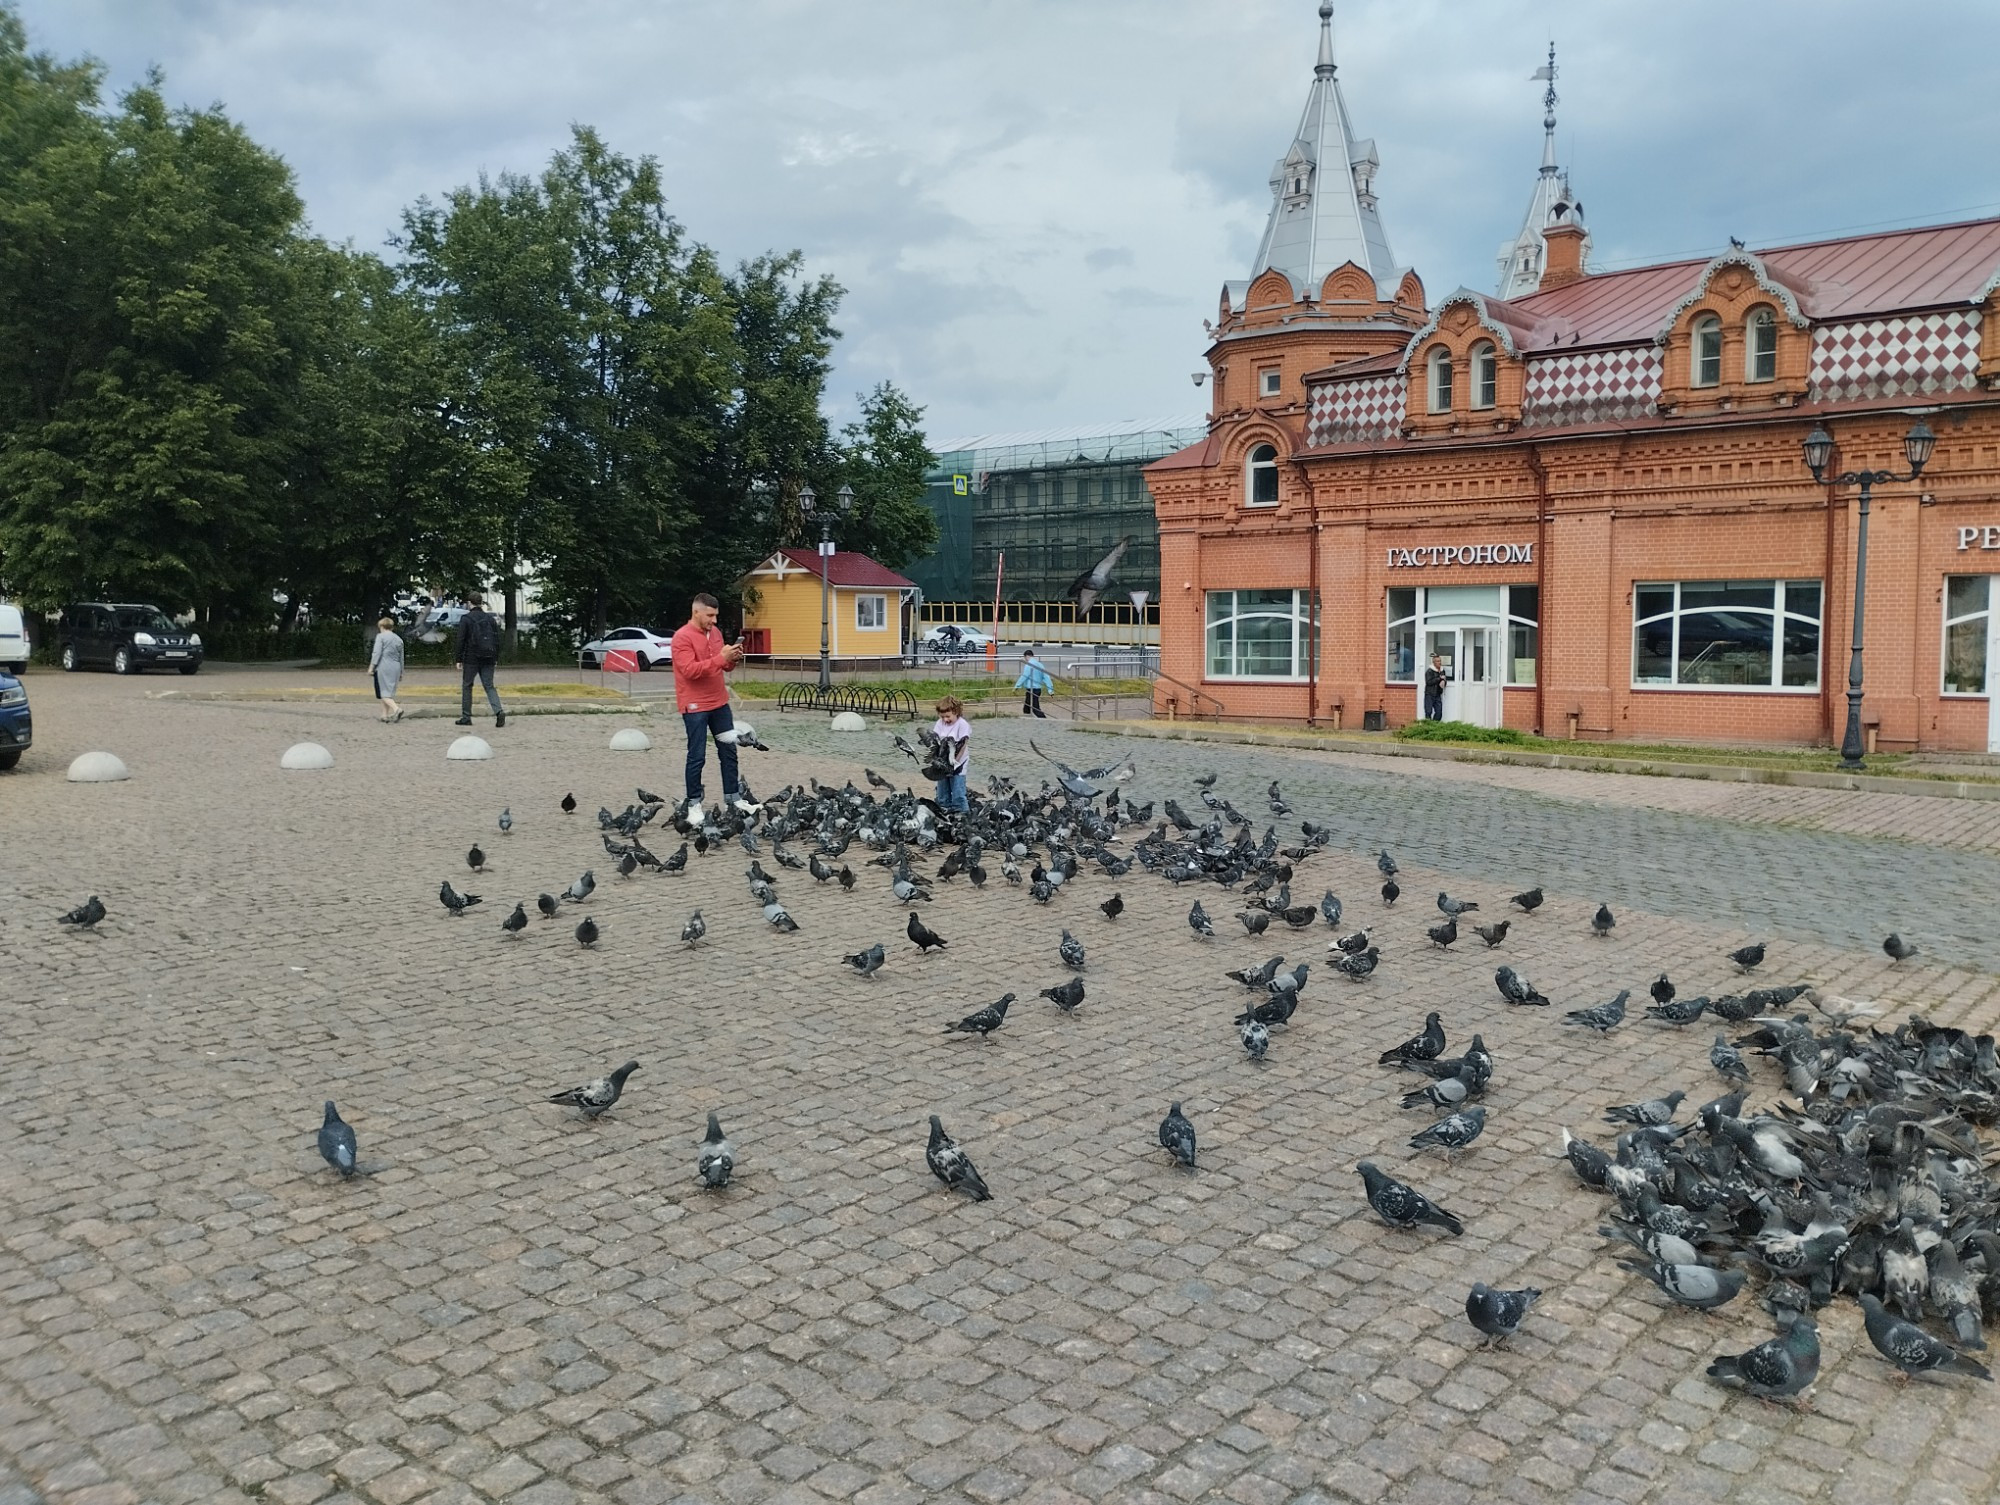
{"x": 699, "y": 724}
{"x": 951, "y": 792}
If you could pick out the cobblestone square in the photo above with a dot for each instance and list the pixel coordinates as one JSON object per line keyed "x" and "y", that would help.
{"x": 514, "y": 1303}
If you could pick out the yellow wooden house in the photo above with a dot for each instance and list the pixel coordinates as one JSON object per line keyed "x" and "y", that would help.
{"x": 871, "y": 609}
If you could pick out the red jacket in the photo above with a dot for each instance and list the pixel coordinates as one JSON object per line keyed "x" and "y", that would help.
{"x": 698, "y": 669}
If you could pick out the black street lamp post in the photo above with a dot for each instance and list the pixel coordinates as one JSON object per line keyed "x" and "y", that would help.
{"x": 1818, "y": 445}
{"x": 844, "y": 502}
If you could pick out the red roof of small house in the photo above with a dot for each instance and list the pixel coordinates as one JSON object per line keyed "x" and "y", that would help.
{"x": 849, "y": 569}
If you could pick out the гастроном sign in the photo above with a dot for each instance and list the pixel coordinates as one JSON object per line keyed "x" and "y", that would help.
{"x": 1987, "y": 537}
{"x": 1476, "y": 553}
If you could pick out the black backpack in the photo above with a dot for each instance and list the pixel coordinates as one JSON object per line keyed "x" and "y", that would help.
{"x": 482, "y": 636}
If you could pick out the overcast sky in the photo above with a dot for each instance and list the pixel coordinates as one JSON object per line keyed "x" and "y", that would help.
{"x": 1033, "y": 203}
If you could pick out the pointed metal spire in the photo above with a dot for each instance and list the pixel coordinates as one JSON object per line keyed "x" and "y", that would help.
{"x": 1520, "y": 259}
{"x": 1548, "y": 71}
{"x": 1324, "y": 68}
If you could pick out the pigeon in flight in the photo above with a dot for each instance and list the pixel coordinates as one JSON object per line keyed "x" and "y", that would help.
{"x": 1910, "y": 1348}
{"x": 336, "y": 1141}
{"x": 516, "y": 922}
{"x": 1256, "y": 1037}
{"x": 1426, "y": 1045}
{"x": 86, "y": 915}
{"x": 1498, "y": 1314}
{"x": 1605, "y": 1017}
{"x": 476, "y": 859}
{"x": 507, "y": 821}
{"x": 982, "y": 1022}
{"x": 455, "y": 902}
{"x": 1065, "y": 996}
{"x": 868, "y": 962}
{"x": 923, "y": 937}
{"x": 1898, "y": 949}
{"x": 1778, "y": 1369}
{"x": 1071, "y": 951}
{"x": 1603, "y": 920}
{"x": 1403, "y": 1206}
{"x": 694, "y": 930}
{"x": 569, "y": 804}
{"x": 1177, "y": 1136}
{"x": 1528, "y": 902}
{"x": 1113, "y": 907}
{"x": 1084, "y": 785}
{"x": 1748, "y": 958}
{"x": 586, "y": 933}
{"x": 1198, "y": 920}
{"x": 953, "y": 1166}
{"x": 597, "y": 1096}
{"x": 718, "y": 1156}
{"x": 1453, "y": 1133}
{"x": 1087, "y": 587}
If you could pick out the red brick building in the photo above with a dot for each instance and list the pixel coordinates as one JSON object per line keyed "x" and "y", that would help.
{"x": 1589, "y": 499}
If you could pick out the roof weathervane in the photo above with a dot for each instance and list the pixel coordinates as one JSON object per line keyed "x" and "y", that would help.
{"x": 1547, "y": 72}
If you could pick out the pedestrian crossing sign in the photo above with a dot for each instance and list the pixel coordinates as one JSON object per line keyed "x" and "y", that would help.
{"x": 958, "y": 485}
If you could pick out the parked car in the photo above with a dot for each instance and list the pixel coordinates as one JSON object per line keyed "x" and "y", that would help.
{"x": 648, "y": 645}
{"x": 17, "y": 727}
{"x": 949, "y": 637}
{"x": 126, "y": 638}
{"x": 13, "y": 639}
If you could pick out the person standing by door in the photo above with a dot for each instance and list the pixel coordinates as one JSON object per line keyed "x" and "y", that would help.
{"x": 1434, "y": 689}
{"x": 478, "y": 651}
{"x": 701, "y": 658}
{"x": 1034, "y": 679}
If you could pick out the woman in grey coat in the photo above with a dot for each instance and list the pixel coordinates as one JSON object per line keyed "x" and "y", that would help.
{"x": 385, "y": 664}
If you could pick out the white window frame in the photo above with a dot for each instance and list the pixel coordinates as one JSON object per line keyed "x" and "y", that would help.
{"x": 1760, "y": 345}
{"x": 1506, "y": 621}
{"x": 1703, "y": 328}
{"x": 1984, "y": 616}
{"x": 1485, "y": 376}
{"x": 1777, "y": 613}
{"x": 1438, "y": 380}
{"x": 1303, "y": 624}
{"x": 1251, "y": 466}
{"x": 1270, "y": 382}
{"x": 881, "y": 613}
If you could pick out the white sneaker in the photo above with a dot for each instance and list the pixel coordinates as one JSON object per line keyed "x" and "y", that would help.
{"x": 695, "y": 812}
{"x": 745, "y": 807}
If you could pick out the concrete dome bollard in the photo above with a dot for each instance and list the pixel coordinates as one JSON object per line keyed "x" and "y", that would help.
{"x": 630, "y": 739}
{"x": 849, "y": 721}
{"x": 468, "y": 748}
{"x": 306, "y": 755}
{"x": 98, "y": 768}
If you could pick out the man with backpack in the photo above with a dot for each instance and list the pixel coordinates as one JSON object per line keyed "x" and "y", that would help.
{"x": 478, "y": 651}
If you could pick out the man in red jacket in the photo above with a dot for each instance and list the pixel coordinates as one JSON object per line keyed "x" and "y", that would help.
{"x": 700, "y": 660}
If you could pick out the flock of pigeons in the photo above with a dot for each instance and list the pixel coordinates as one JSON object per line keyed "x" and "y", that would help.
{"x": 1870, "y": 1181}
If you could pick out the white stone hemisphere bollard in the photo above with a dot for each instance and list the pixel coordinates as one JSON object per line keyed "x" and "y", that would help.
{"x": 306, "y": 755}
{"x": 630, "y": 739}
{"x": 468, "y": 747}
{"x": 98, "y": 768}
{"x": 849, "y": 721}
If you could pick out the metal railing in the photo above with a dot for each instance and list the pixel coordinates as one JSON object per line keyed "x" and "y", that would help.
{"x": 1197, "y": 703}
{"x": 1142, "y": 665}
{"x": 865, "y": 700}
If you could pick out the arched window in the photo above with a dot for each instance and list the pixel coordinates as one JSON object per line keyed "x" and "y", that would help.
{"x": 1760, "y": 346}
{"x": 1705, "y": 352}
{"x": 1438, "y": 371}
{"x": 1261, "y": 479}
{"x": 1485, "y": 375}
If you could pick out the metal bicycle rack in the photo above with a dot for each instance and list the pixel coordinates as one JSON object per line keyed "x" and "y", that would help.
{"x": 865, "y": 700}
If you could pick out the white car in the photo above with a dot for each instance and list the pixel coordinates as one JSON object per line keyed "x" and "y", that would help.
{"x": 949, "y": 637}
{"x": 650, "y": 647}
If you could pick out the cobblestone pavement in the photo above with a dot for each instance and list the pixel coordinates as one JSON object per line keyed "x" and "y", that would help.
{"x": 516, "y": 1305}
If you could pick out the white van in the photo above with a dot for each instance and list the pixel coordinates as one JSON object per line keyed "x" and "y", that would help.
{"x": 13, "y": 639}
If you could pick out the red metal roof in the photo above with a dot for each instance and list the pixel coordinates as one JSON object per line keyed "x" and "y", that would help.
{"x": 848, "y": 569}
{"x": 1198, "y": 455}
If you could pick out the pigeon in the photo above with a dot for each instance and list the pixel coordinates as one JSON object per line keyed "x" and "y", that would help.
{"x": 876, "y": 781}
{"x": 1330, "y": 907}
{"x": 1698, "y": 1286}
{"x": 1113, "y": 907}
{"x": 1602, "y": 921}
{"x": 982, "y": 1022}
{"x": 86, "y": 915}
{"x": 846, "y": 879}
{"x": 1402, "y": 1206}
{"x": 546, "y": 903}
{"x": 1452, "y": 908}
{"x": 1898, "y": 949}
{"x": 923, "y": 937}
{"x": 454, "y": 901}
{"x": 1065, "y": 996}
{"x": 1386, "y": 865}
{"x": 1590, "y": 1162}
{"x": 1649, "y": 1114}
{"x": 1728, "y": 1061}
{"x": 1498, "y": 1314}
{"x": 1358, "y": 966}
{"x": 1087, "y": 587}
{"x": 1443, "y": 935}
{"x": 1528, "y": 902}
{"x": 1390, "y": 893}
{"x": 1255, "y": 921}
{"x": 596, "y": 1097}
{"x": 1778, "y": 1369}
{"x": 1447, "y": 1095}
{"x": 1605, "y": 1017}
{"x": 1352, "y": 945}
{"x": 868, "y": 962}
{"x": 1955, "y": 1295}
{"x": 1678, "y": 1010}
{"x": 694, "y": 930}
{"x": 586, "y": 932}
{"x": 678, "y": 862}
{"x": 718, "y": 1156}
{"x": 569, "y": 804}
{"x": 907, "y": 891}
{"x": 336, "y": 1141}
{"x": 476, "y": 859}
{"x": 1748, "y": 957}
{"x": 627, "y": 865}
{"x": 1071, "y": 950}
{"x": 1492, "y": 934}
{"x": 953, "y": 1166}
{"x": 780, "y": 918}
{"x": 1517, "y": 989}
{"x": 1910, "y": 1348}
{"x": 580, "y": 890}
{"x": 1256, "y": 1038}
{"x": 516, "y": 922}
{"x": 1198, "y": 920}
{"x": 1451, "y": 1134}
{"x": 1427, "y": 1045}
{"x": 648, "y": 799}
{"x": 1177, "y": 1136}
{"x": 507, "y": 821}
{"x": 1662, "y": 990}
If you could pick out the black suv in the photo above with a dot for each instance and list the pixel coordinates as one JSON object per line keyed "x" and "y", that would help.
{"x": 126, "y": 638}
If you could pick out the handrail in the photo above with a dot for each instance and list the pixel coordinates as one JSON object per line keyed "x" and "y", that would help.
{"x": 1195, "y": 697}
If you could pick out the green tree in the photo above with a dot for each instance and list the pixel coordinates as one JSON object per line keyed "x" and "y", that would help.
{"x": 883, "y": 456}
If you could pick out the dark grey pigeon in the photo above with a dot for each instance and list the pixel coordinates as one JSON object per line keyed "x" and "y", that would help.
{"x": 1446, "y": 1094}
{"x": 1329, "y": 907}
{"x": 982, "y": 1022}
{"x": 1662, "y": 989}
{"x": 718, "y": 1156}
{"x": 595, "y": 1097}
{"x": 91, "y": 910}
{"x": 922, "y": 936}
{"x": 1910, "y": 1348}
{"x": 1955, "y": 1295}
{"x": 1403, "y": 1206}
{"x": 1691, "y": 1285}
{"x": 1728, "y": 1060}
{"x": 1070, "y": 949}
{"x": 1498, "y": 1314}
{"x": 1517, "y": 989}
{"x": 1255, "y": 921}
{"x": 336, "y": 1141}
{"x": 1678, "y": 1010}
{"x": 516, "y": 922}
{"x": 868, "y": 962}
{"x": 1390, "y": 892}
{"x": 1198, "y": 920}
{"x": 1748, "y": 957}
{"x": 953, "y": 1166}
{"x": 1778, "y": 1369}
{"x": 547, "y": 905}
{"x": 1452, "y": 908}
{"x": 453, "y": 901}
{"x": 1529, "y": 902}
{"x": 1256, "y": 1038}
{"x": 1066, "y": 996}
{"x": 1426, "y": 1045}
{"x": 1898, "y": 949}
{"x": 586, "y": 932}
{"x": 1092, "y": 583}
{"x": 1492, "y": 934}
{"x": 1605, "y": 1017}
{"x": 1443, "y": 935}
{"x": 1453, "y": 1133}
{"x": 1591, "y": 1163}
{"x": 1113, "y": 907}
{"x": 580, "y": 890}
{"x": 1357, "y": 966}
{"x": 1177, "y": 1136}
{"x": 695, "y": 928}
{"x": 1386, "y": 865}
{"x": 1602, "y": 921}
{"x": 1654, "y": 1111}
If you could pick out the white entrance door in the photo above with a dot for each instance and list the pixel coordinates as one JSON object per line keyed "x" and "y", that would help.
{"x": 1472, "y": 689}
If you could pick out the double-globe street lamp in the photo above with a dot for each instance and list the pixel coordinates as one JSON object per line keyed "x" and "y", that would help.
{"x": 1818, "y": 445}
{"x": 844, "y": 504}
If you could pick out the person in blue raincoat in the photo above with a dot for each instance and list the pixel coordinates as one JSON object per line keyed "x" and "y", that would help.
{"x": 1034, "y": 679}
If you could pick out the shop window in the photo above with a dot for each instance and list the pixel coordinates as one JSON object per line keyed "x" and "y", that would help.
{"x": 1524, "y": 633}
{"x": 1968, "y": 627}
{"x": 1260, "y": 634}
{"x": 1261, "y": 480}
{"x": 1402, "y": 668}
{"x": 1438, "y": 380}
{"x": 1760, "y": 346}
{"x": 1270, "y": 383}
{"x": 1417, "y": 612}
{"x": 1726, "y": 635}
{"x": 1485, "y": 375}
{"x": 1705, "y": 352}
{"x": 871, "y": 613}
